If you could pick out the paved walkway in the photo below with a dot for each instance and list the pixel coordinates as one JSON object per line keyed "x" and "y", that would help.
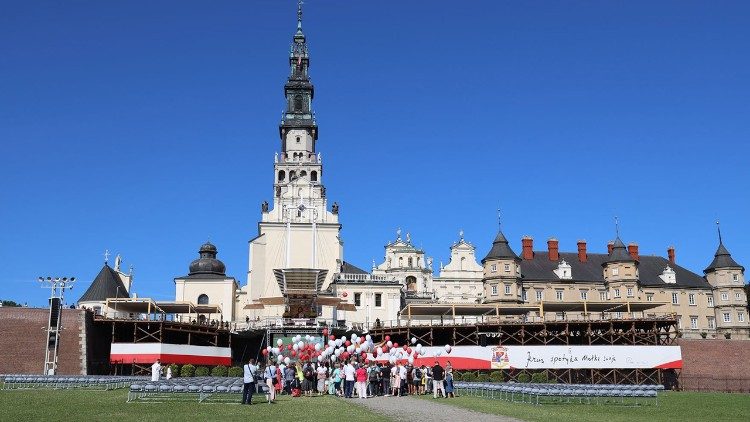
{"x": 433, "y": 410}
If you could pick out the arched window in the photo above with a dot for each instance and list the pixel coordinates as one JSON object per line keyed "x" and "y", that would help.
{"x": 461, "y": 266}
{"x": 411, "y": 262}
{"x": 203, "y": 299}
{"x": 400, "y": 261}
{"x": 314, "y": 176}
{"x": 292, "y": 175}
{"x": 282, "y": 175}
{"x": 411, "y": 284}
{"x": 302, "y": 173}
{"x": 297, "y": 103}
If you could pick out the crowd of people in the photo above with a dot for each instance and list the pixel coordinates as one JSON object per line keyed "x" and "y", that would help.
{"x": 355, "y": 378}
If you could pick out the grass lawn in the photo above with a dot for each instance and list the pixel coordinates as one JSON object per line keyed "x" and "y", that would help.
{"x": 58, "y": 405}
{"x": 682, "y": 406}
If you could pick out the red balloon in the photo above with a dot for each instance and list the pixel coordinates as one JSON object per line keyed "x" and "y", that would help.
{"x": 387, "y": 338}
{"x": 408, "y": 350}
{"x": 289, "y": 347}
{"x": 348, "y": 343}
{"x": 265, "y": 352}
{"x": 294, "y": 353}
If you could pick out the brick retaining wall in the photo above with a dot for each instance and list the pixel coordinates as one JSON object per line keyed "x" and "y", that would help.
{"x": 23, "y": 338}
{"x": 715, "y": 365}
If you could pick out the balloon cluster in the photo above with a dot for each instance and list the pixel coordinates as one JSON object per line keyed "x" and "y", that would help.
{"x": 330, "y": 348}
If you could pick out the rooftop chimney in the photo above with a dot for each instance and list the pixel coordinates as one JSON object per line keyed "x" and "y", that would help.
{"x": 527, "y": 243}
{"x": 552, "y": 248}
{"x": 633, "y": 250}
{"x": 582, "y": 251}
{"x": 610, "y": 246}
{"x": 670, "y": 253}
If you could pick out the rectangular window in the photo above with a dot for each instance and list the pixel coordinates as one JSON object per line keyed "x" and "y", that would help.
{"x": 737, "y": 296}
{"x": 540, "y": 295}
{"x": 724, "y": 296}
{"x": 357, "y": 299}
{"x": 493, "y": 268}
{"x": 679, "y": 321}
{"x": 649, "y": 297}
{"x": 507, "y": 289}
{"x": 691, "y": 299}
{"x": 507, "y": 268}
{"x": 675, "y": 298}
{"x": 559, "y": 294}
{"x": 630, "y": 292}
{"x": 694, "y": 322}
{"x": 741, "y": 316}
{"x": 602, "y": 296}
{"x": 378, "y": 300}
{"x": 584, "y": 294}
{"x": 618, "y": 315}
{"x": 615, "y": 271}
{"x": 735, "y": 277}
{"x": 523, "y": 295}
{"x": 710, "y": 299}
{"x": 711, "y": 323}
{"x": 727, "y": 317}
{"x": 617, "y": 292}
{"x": 494, "y": 290}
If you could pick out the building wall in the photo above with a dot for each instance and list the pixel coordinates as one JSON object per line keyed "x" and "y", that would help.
{"x": 715, "y": 365}
{"x": 219, "y": 291}
{"x": 23, "y": 340}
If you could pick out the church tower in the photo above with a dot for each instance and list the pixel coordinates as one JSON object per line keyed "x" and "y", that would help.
{"x": 298, "y": 234}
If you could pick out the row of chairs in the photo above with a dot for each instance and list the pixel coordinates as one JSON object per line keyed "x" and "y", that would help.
{"x": 204, "y": 389}
{"x": 557, "y": 393}
{"x": 91, "y": 382}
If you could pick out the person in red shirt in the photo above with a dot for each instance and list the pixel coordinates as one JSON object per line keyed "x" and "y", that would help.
{"x": 361, "y": 385}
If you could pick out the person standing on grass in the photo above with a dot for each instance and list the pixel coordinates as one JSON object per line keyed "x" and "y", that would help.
{"x": 402, "y": 375}
{"x": 438, "y": 376}
{"x": 322, "y": 374}
{"x": 395, "y": 381}
{"x": 156, "y": 370}
{"x": 169, "y": 373}
{"x": 361, "y": 375}
{"x": 349, "y": 377}
{"x": 385, "y": 379}
{"x": 289, "y": 374}
{"x": 449, "y": 380}
{"x": 338, "y": 374}
{"x": 248, "y": 381}
{"x": 270, "y": 375}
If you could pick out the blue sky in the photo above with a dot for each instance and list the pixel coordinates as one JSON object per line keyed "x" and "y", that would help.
{"x": 146, "y": 127}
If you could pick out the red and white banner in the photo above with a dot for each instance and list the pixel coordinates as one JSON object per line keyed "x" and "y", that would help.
{"x": 552, "y": 357}
{"x": 170, "y": 353}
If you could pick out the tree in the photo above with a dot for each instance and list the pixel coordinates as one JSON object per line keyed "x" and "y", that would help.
{"x": 11, "y": 304}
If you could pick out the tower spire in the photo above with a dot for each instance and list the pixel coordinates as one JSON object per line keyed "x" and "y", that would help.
{"x": 718, "y": 229}
{"x": 299, "y": 15}
{"x": 617, "y": 226}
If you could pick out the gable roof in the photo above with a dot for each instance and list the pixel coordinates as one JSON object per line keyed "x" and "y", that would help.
{"x": 107, "y": 284}
{"x": 540, "y": 269}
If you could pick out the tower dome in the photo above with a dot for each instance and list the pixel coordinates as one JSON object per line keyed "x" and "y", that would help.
{"x": 207, "y": 263}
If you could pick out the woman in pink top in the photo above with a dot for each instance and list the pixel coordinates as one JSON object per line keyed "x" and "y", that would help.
{"x": 361, "y": 384}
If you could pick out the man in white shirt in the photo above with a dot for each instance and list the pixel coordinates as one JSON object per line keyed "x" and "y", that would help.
{"x": 156, "y": 370}
{"x": 402, "y": 372}
{"x": 349, "y": 373}
{"x": 248, "y": 380}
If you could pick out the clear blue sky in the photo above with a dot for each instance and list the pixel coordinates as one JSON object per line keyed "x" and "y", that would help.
{"x": 145, "y": 127}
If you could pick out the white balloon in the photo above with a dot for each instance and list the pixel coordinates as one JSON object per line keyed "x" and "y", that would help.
{"x": 301, "y": 345}
{"x": 287, "y": 361}
{"x": 447, "y": 348}
{"x": 368, "y": 338}
{"x": 389, "y": 344}
{"x": 317, "y": 347}
{"x": 320, "y": 358}
{"x": 411, "y": 360}
{"x": 358, "y": 350}
{"x": 295, "y": 347}
{"x": 339, "y": 342}
{"x": 438, "y": 353}
{"x": 413, "y": 340}
{"x": 279, "y": 342}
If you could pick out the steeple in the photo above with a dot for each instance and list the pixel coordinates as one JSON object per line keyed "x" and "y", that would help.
{"x": 299, "y": 93}
{"x": 501, "y": 249}
{"x": 722, "y": 257}
{"x": 619, "y": 252}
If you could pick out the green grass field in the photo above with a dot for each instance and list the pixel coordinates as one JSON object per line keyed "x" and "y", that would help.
{"x": 682, "y": 406}
{"x": 66, "y": 405}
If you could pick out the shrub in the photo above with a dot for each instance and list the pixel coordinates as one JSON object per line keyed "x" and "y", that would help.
{"x": 187, "y": 371}
{"x": 483, "y": 378}
{"x": 219, "y": 371}
{"x": 235, "y": 371}
{"x": 468, "y": 376}
{"x": 704, "y": 334}
{"x": 175, "y": 370}
{"x": 202, "y": 371}
{"x": 727, "y": 335}
{"x": 497, "y": 376}
{"x": 524, "y": 377}
{"x": 539, "y": 378}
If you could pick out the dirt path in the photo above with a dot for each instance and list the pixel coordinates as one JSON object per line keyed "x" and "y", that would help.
{"x": 433, "y": 410}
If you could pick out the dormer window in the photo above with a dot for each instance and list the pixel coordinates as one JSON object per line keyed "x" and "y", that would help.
{"x": 668, "y": 276}
{"x": 615, "y": 271}
{"x": 563, "y": 271}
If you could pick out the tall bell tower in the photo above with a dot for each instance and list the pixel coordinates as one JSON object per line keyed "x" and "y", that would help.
{"x": 298, "y": 234}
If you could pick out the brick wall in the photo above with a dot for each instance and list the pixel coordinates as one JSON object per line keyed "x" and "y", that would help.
{"x": 23, "y": 338}
{"x": 715, "y": 365}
